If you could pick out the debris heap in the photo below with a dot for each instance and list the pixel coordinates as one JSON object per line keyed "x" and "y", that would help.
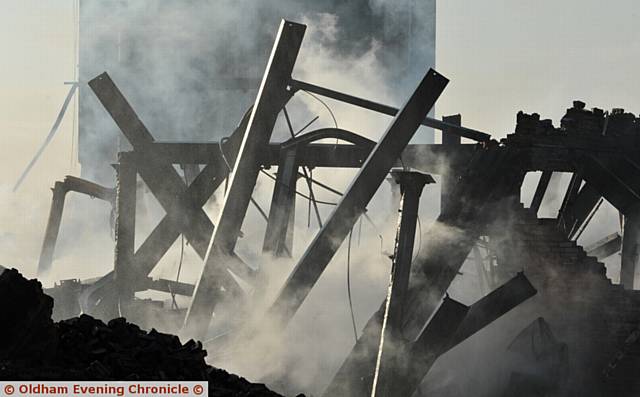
{"x": 33, "y": 347}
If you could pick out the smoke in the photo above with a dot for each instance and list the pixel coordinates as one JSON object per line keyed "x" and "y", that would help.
{"x": 179, "y": 64}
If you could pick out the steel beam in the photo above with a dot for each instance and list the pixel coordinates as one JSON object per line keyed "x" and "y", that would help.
{"x": 452, "y": 324}
{"x": 605, "y": 247}
{"x": 452, "y": 141}
{"x": 425, "y": 157}
{"x": 388, "y": 110}
{"x": 200, "y": 190}
{"x": 487, "y": 186}
{"x": 355, "y": 376}
{"x": 163, "y": 180}
{"x": 125, "y": 274}
{"x": 565, "y": 224}
{"x": 60, "y": 190}
{"x": 630, "y": 249}
{"x": 431, "y": 344}
{"x": 615, "y": 179}
{"x": 278, "y": 238}
{"x": 353, "y": 202}
{"x": 576, "y": 213}
{"x": 541, "y": 189}
{"x": 493, "y": 306}
{"x": 52, "y": 229}
{"x": 273, "y": 94}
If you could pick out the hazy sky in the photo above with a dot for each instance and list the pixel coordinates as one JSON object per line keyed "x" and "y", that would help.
{"x": 501, "y": 57}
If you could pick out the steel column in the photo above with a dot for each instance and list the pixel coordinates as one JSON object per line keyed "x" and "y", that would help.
{"x": 452, "y": 141}
{"x": 53, "y": 228}
{"x": 126, "y": 185}
{"x": 278, "y": 238}
{"x": 387, "y": 362}
{"x": 630, "y": 249}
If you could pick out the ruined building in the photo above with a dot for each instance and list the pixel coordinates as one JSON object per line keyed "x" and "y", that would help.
{"x": 550, "y": 319}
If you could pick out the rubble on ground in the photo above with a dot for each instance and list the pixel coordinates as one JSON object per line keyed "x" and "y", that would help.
{"x": 33, "y": 347}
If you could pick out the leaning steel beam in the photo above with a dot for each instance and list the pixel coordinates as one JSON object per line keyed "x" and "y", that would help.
{"x": 581, "y": 210}
{"x": 445, "y": 332}
{"x": 490, "y": 183}
{"x": 541, "y": 189}
{"x": 615, "y": 179}
{"x": 605, "y": 247}
{"x": 163, "y": 180}
{"x": 565, "y": 221}
{"x": 388, "y": 110}
{"x": 273, "y": 94}
{"x": 354, "y": 377}
{"x": 357, "y": 196}
{"x": 432, "y": 343}
{"x": 493, "y": 306}
{"x": 200, "y": 190}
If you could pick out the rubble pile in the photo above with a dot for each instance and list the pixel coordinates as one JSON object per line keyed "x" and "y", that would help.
{"x": 33, "y": 347}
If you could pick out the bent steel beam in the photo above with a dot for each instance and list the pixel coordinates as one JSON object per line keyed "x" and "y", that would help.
{"x": 60, "y": 190}
{"x": 334, "y": 133}
{"x": 359, "y": 193}
{"x": 273, "y": 94}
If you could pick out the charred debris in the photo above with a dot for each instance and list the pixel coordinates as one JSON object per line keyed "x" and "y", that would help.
{"x": 34, "y": 347}
{"x": 580, "y": 336}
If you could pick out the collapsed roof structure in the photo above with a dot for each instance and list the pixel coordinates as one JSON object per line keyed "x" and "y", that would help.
{"x": 531, "y": 265}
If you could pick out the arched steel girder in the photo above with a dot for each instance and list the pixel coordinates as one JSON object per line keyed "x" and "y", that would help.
{"x": 329, "y": 133}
